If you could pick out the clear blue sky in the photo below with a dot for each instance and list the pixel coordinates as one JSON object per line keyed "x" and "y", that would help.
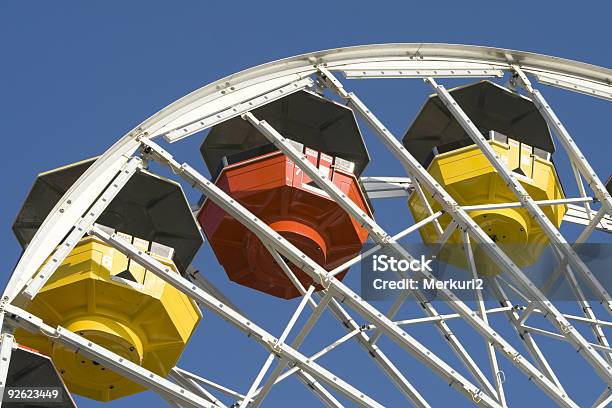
{"x": 76, "y": 77}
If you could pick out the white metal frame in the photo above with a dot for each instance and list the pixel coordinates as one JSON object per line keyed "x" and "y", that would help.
{"x": 76, "y": 212}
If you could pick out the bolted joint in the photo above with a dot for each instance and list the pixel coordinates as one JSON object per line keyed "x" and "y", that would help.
{"x": 331, "y": 82}
{"x": 325, "y": 280}
{"x": 385, "y": 238}
{"x": 277, "y": 347}
{"x": 432, "y": 82}
{"x": 454, "y": 208}
{"x": 477, "y": 396}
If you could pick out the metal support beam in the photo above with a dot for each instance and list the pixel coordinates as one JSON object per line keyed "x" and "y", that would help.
{"x": 347, "y": 295}
{"x": 194, "y": 387}
{"x": 576, "y": 156}
{"x": 419, "y": 191}
{"x": 577, "y": 215}
{"x": 297, "y": 342}
{"x": 324, "y": 396}
{"x": 7, "y": 342}
{"x": 517, "y": 188}
{"x": 530, "y": 344}
{"x": 520, "y": 204}
{"x": 83, "y": 225}
{"x": 397, "y": 304}
{"x": 586, "y": 308}
{"x": 380, "y": 358}
{"x": 317, "y": 355}
{"x": 199, "y": 279}
{"x": 448, "y": 316}
{"x": 501, "y": 397}
{"x": 580, "y": 185}
{"x": 386, "y": 187}
{"x": 208, "y": 383}
{"x": 557, "y": 336}
{"x": 230, "y": 315}
{"x": 464, "y": 220}
{"x": 447, "y": 334}
{"x": 603, "y": 368}
{"x": 305, "y": 297}
{"x": 563, "y": 263}
{"x": 120, "y": 365}
{"x": 383, "y": 362}
{"x": 581, "y": 319}
{"x": 604, "y": 400}
{"x": 198, "y": 123}
{"x": 377, "y": 247}
{"x": 289, "y": 273}
{"x": 377, "y": 233}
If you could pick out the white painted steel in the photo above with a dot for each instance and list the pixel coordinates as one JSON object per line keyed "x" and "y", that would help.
{"x": 237, "y": 95}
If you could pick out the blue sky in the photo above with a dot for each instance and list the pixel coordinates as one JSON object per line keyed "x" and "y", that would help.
{"x": 76, "y": 77}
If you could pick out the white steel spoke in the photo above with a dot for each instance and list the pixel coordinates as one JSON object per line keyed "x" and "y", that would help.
{"x": 586, "y": 308}
{"x": 519, "y": 204}
{"x": 501, "y": 397}
{"x": 397, "y": 304}
{"x": 557, "y": 336}
{"x": 208, "y": 383}
{"x": 83, "y": 225}
{"x": 256, "y": 332}
{"x": 289, "y": 273}
{"x": 577, "y": 215}
{"x": 195, "y": 276}
{"x": 604, "y": 400}
{"x": 134, "y": 372}
{"x": 342, "y": 291}
{"x": 271, "y": 380}
{"x": 581, "y": 319}
{"x": 305, "y": 298}
{"x": 194, "y": 387}
{"x": 514, "y": 319}
{"x": 425, "y": 202}
{"x": 313, "y": 357}
{"x": 448, "y": 316}
{"x": 262, "y": 372}
{"x": 386, "y": 187}
{"x": 602, "y": 367}
{"x": 7, "y": 342}
{"x": 238, "y": 95}
{"x": 547, "y": 226}
{"x": 377, "y": 247}
{"x": 378, "y": 234}
{"x": 581, "y": 189}
{"x": 324, "y": 396}
{"x": 576, "y": 156}
{"x": 584, "y": 235}
{"x": 463, "y": 219}
{"x": 347, "y": 322}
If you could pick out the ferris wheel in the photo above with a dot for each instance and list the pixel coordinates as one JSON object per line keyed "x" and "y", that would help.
{"x": 106, "y": 296}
